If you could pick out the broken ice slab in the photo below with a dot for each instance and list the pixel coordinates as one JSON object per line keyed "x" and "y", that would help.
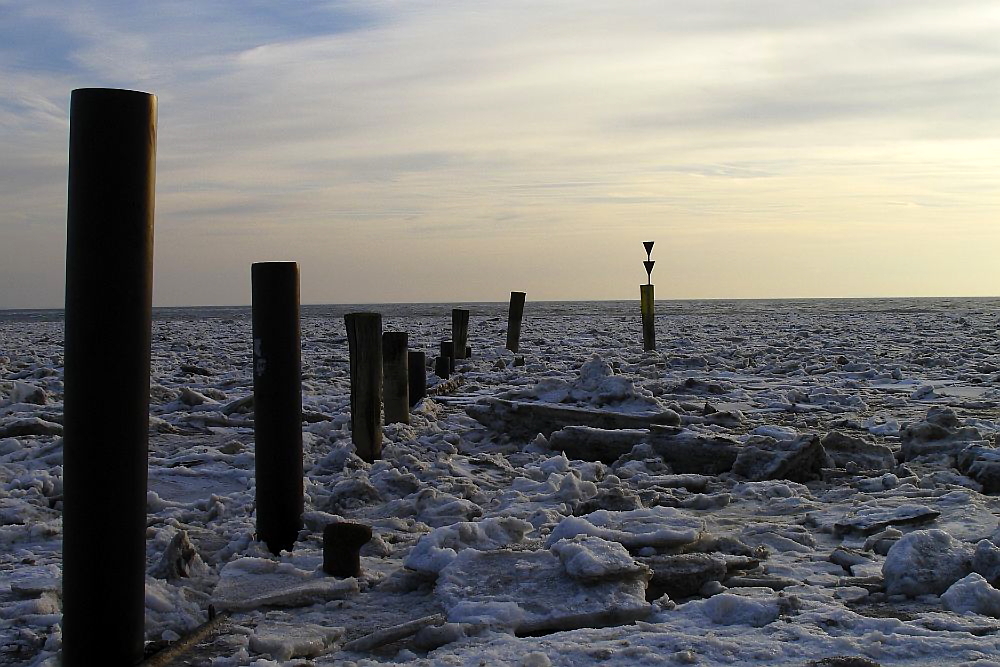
{"x": 798, "y": 460}
{"x": 186, "y": 485}
{"x": 873, "y": 518}
{"x": 523, "y": 419}
{"x": 250, "y": 583}
{"x": 530, "y": 592}
{"x": 596, "y": 444}
{"x": 284, "y": 641}
{"x": 656, "y": 527}
{"x": 685, "y": 450}
{"x": 689, "y": 452}
{"x": 683, "y": 575}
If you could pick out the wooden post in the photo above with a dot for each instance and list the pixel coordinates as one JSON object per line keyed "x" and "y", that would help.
{"x": 395, "y": 377}
{"x": 648, "y": 320}
{"x": 448, "y": 352}
{"x": 364, "y": 340}
{"x": 342, "y": 544}
{"x": 417, "y": 376}
{"x": 514, "y": 314}
{"x": 277, "y": 400}
{"x": 459, "y": 331}
{"x": 442, "y": 366}
{"x": 109, "y": 278}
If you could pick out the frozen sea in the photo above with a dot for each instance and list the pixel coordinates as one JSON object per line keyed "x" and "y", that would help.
{"x": 793, "y": 482}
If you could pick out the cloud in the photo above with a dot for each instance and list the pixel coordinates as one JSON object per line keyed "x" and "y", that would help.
{"x": 318, "y": 128}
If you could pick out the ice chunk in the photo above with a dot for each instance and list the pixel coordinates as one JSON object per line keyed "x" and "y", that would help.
{"x": 973, "y": 594}
{"x": 530, "y": 591}
{"x": 249, "y": 583}
{"x": 729, "y": 609}
{"x": 657, "y": 527}
{"x": 439, "y": 547}
{"x": 284, "y": 641}
{"x": 590, "y": 558}
{"x": 925, "y": 561}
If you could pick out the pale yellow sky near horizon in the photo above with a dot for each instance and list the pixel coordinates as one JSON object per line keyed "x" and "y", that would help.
{"x": 455, "y": 151}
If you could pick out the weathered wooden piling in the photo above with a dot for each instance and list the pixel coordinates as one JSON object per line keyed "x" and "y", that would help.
{"x": 459, "y": 331}
{"x": 342, "y": 544}
{"x": 416, "y": 376}
{"x": 364, "y": 340}
{"x": 395, "y": 377}
{"x": 514, "y": 314}
{"x": 277, "y": 394}
{"x": 447, "y": 350}
{"x": 442, "y": 366}
{"x": 648, "y": 319}
{"x": 109, "y": 277}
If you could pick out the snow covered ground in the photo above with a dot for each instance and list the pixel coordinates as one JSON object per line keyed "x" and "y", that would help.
{"x": 781, "y": 483}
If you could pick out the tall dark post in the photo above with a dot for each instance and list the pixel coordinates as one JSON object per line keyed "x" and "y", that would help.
{"x": 459, "y": 331}
{"x": 109, "y": 278}
{"x": 277, "y": 398}
{"x": 416, "y": 376}
{"x": 514, "y": 315}
{"x": 395, "y": 377}
{"x": 364, "y": 340}
{"x": 648, "y": 318}
{"x": 646, "y": 302}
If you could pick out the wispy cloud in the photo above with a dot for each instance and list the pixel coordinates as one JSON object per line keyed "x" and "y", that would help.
{"x": 323, "y": 130}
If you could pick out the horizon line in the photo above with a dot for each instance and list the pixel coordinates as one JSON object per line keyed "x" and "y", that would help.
{"x": 459, "y": 302}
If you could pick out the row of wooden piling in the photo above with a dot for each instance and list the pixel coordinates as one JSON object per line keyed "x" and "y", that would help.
{"x": 386, "y": 378}
{"x": 109, "y": 260}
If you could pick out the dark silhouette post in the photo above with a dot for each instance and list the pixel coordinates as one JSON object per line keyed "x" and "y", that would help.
{"x": 109, "y": 279}
{"x": 395, "y": 377}
{"x": 416, "y": 376}
{"x": 646, "y": 302}
{"x": 514, "y": 314}
{"x": 442, "y": 367}
{"x": 448, "y": 352}
{"x": 342, "y": 544}
{"x": 277, "y": 395}
{"x": 364, "y": 340}
{"x": 459, "y": 331}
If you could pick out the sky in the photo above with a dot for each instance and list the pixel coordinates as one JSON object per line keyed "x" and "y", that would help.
{"x": 454, "y": 151}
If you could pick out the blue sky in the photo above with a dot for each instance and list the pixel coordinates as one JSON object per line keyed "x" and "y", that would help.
{"x": 455, "y": 151}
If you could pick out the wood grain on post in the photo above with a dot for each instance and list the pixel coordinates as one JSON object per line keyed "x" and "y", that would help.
{"x": 417, "y": 376}
{"x": 514, "y": 315}
{"x": 648, "y": 319}
{"x": 395, "y": 377}
{"x": 364, "y": 340}
{"x": 459, "y": 330}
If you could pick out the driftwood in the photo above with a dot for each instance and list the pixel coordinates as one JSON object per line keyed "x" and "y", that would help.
{"x": 392, "y": 634}
{"x": 185, "y": 643}
{"x": 446, "y": 387}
